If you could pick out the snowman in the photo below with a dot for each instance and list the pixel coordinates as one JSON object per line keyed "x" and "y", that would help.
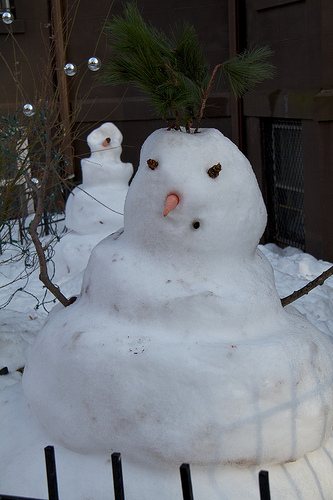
{"x": 94, "y": 209}
{"x": 178, "y": 349}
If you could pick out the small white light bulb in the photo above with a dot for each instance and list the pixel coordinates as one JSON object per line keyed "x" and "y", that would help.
{"x": 70, "y": 69}
{"x": 29, "y": 110}
{"x": 7, "y": 17}
{"x": 94, "y": 63}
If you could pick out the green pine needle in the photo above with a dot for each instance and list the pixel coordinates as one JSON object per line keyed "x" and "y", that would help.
{"x": 189, "y": 56}
{"x": 172, "y": 70}
{"x": 248, "y": 69}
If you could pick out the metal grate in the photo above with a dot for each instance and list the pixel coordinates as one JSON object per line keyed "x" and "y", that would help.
{"x": 283, "y": 161}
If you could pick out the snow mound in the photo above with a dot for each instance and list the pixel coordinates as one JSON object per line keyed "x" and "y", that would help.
{"x": 164, "y": 301}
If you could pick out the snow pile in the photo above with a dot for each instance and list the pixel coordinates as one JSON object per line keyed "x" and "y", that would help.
{"x": 95, "y": 208}
{"x": 178, "y": 349}
{"x": 293, "y": 270}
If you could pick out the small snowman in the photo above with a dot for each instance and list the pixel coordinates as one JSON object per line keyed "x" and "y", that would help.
{"x": 95, "y": 208}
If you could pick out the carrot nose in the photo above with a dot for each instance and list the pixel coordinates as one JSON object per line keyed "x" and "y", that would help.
{"x": 170, "y": 203}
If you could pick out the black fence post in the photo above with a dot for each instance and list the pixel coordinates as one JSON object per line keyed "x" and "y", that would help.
{"x": 185, "y": 476}
{"x": 10, "y": 497}
{"x": 51, "y": 473}
{"x": 264, "y": 485}
{"x": 118, "y": 484}
{"x": 46, "y": 223}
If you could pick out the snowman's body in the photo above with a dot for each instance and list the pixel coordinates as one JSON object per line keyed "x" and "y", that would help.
{"x": 95, "y": 208}
{"x": 178, "y": 349}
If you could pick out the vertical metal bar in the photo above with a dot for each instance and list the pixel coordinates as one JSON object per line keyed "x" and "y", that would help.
{"x": 21, "y": 230}
{"x": 118, "y": 484}
{"x": 185, "y": 476}
{"x": 264, "y": 485}
{"x": 51, "y": 473}
{"x": 46, "y": 223}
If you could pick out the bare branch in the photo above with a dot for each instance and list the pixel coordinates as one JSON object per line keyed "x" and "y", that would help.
{"x": 205, "y": 95}
{"x": 40, "y": 193}
{"x": 308, "y": 287}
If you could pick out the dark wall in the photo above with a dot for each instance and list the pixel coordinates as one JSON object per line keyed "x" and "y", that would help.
{"x": 23, "y": 55}
{"x": 301, "y": 34}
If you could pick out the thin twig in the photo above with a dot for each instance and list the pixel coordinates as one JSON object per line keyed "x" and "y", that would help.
{"x": 40, "y": 192}
{"x": 14, "y": 77}
{"x": 307, "y": 288}
{"x": 172, "y": 74}
{"x": 205, "y": 96}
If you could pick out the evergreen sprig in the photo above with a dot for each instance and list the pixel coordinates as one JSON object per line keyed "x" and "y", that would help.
{"x": 248, "y": 69}
{"x": 172, "y": 70}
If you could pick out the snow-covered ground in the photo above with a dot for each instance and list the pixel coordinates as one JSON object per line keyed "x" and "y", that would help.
{"x": 20, "y": 321}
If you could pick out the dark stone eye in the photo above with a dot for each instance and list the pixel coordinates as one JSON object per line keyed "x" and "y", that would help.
{"x": 152, "y": 164}
{"x": 214, "y": 171}
{"x": 196, "y": 224}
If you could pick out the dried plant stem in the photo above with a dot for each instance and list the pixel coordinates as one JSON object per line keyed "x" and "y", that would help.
{"x": 40, "y": 194}
{"x": 307, "y": 288}
{"x": 205, "y": 95}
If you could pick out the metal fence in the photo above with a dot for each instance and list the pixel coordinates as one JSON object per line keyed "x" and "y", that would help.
{"x": 18, "y": 232}
{"x": 118, "y": 484}
{"x": 283, "y": 163}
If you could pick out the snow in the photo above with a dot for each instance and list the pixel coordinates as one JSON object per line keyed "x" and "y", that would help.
{"x": 94, "y": 208}
{"x": 148, "y": 352}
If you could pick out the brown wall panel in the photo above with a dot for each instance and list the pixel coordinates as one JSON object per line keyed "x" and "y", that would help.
{"x": 300, "y": 32}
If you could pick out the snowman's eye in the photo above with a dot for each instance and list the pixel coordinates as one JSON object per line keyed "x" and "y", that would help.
{"x": 214, "y": 171}
{"x": 152, "y": 164}
{"x": 196, "y": 224}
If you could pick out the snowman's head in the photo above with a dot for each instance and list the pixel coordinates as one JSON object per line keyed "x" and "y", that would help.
{"x": 106, "y": 138}
{"x": 215, "y": 205}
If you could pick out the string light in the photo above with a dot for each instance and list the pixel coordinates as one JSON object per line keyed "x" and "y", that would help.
{"x": 94, "y": 63}
{"x": 70, "y": 69}
{"x": 29, "y": 110}
{"x": 7, "y": 17}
